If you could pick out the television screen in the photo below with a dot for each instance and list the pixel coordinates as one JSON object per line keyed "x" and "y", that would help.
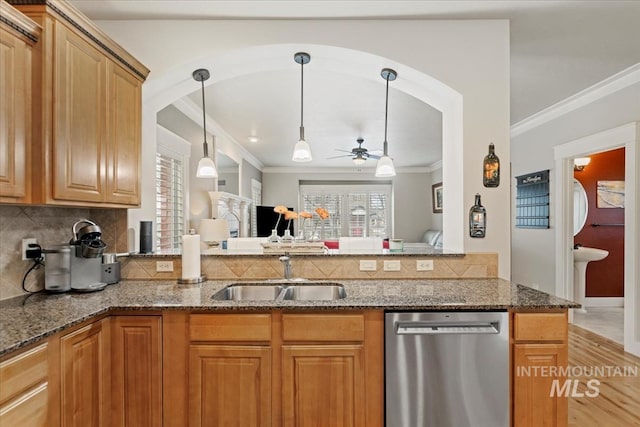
{"x": 266, "y": 220}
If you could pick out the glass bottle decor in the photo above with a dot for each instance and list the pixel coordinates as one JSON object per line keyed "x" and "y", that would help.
{"x": 491, "y": 168}
{"x": 274, "y": 238}
{"x": 287, "y": 237}
{"x": 477, "y": 219}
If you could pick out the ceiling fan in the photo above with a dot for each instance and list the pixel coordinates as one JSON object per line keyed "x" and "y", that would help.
{"x": 358, "y": 154}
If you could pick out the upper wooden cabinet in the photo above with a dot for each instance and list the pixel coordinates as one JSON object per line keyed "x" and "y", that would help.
{"x": 86, "y": 112}
{"x": 18, "y": 34}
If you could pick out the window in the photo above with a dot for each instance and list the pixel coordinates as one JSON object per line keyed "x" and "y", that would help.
{"x": 169, "y": 203}
{"x": 172, "y": 160}
{"x": 356, "y": 208}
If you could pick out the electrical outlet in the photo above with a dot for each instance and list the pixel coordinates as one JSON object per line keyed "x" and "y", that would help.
{"x": 392, "y": 265}
{"x": 164, "y": 266}
{"x": 25, "y": 245}
{"x": 368, "y": 265}
{"x": 424, "y": 265}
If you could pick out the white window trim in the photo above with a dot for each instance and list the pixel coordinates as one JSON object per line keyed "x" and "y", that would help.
{"x": 172, "y": 145}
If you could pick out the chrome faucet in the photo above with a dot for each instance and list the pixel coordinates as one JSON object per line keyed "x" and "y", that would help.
{"x": 286, "y": 262}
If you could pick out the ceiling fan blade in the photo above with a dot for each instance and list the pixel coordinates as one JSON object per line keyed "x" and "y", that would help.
{"x": 373, "y": 156}
{"x": 376, "y": 152}
{"x": 337, "y": 157}
{"x": 344, "y": 151}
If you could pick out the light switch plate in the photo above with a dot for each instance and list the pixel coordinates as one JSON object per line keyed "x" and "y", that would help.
{"x": 164, "y": 266}
{"x": 392, "y": 265}
{"x": 368, "y": 265}
{"x": 424, "y": 265}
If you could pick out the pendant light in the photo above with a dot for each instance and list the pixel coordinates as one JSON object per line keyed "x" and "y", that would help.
{"x": 206, "y": 165}
{"x": 301, "y": 151}
{"x": 385, "y": 167}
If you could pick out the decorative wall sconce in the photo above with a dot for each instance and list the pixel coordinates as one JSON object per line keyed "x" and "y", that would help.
{"x": 579, "y": 163}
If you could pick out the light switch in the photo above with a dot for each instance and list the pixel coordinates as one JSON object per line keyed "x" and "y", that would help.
{"x": 392, "y": 265}
{"x": 368, "y": 265}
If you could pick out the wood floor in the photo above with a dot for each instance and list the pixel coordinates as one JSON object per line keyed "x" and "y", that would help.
{"x": 618, "y": 403}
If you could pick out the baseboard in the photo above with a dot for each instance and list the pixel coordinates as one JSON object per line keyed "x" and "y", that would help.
{"x": 604, "y": 302}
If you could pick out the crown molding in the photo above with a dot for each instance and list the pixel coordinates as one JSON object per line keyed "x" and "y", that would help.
{"x": 614, "y": 83}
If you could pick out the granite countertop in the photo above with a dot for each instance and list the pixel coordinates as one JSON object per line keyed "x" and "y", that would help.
{"x": 25, "y": 320}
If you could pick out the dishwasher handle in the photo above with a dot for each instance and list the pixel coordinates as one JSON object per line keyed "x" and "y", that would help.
{"x": 446, "y": 328}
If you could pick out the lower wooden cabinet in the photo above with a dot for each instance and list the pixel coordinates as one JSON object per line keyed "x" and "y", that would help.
{"x": 85, "y": 376}
{"x": 323, "y": 385}
{"x": 24, "y": 389}
{"x": 229, "y": 385}
{"x": 285, "y": 369}
{"x": 136, "y": 371}
{"x": 539, "y": 352}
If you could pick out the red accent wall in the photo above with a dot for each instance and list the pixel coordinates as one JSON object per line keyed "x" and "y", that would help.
{"x": 604, "y": 278}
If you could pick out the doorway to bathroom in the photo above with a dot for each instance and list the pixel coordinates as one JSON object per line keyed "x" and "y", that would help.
{"x": 622, "y": 142}
{"x": 598, "y": 223}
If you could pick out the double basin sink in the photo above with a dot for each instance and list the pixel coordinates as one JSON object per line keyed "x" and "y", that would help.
{"x": 281, "y": 292}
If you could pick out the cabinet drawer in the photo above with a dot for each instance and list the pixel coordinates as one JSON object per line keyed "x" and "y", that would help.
{"x": 230, "y": 327}
{"x": 27, "y": 411}
{"x": 540, "y": 327}
{"x": 22, "y": 372}
{"x": 323, "y": 327}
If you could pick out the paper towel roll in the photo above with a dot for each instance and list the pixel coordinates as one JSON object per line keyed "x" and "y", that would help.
{"x": 190, "y": 256}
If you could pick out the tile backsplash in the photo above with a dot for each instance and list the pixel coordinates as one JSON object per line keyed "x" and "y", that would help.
{"x": 51, "y": 226}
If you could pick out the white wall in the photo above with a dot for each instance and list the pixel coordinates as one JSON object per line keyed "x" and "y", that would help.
{"x": 467, "y": 59}
{"x": 533, "y": 256}
{"x": 412, "y": 192}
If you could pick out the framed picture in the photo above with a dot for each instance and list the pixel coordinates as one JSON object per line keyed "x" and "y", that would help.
{"x": 436, "y": 195}
{"x": 610, "y": 194}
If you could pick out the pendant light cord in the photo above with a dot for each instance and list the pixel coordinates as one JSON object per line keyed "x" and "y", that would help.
{"x": 386, "y": 113}
{"x": 204, "y": 124}
{"x": 302, "y": 93}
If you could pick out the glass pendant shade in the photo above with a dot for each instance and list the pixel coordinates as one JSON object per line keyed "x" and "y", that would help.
{"x": 385, "y": 167}
{"x": 301, "y": 152}
{"x": 206, "y": 168}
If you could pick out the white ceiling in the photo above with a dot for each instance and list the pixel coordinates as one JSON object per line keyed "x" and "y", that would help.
{"x": 557, "y": 49}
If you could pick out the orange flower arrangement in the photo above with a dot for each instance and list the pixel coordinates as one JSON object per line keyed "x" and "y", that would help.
{"x": 290, "y": 215}
{"x": 280, "y": 209}
{"x": 322, "y": 213}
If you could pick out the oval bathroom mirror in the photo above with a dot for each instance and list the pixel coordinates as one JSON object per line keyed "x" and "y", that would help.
{"x": 580, "y": 206}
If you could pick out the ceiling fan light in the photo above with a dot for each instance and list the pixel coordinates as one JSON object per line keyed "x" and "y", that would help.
{"x": 301, "y": 152}
{"x": 206, "y": 168}
{"x": 385, "y": 167}
{"x": 358, "y": 160}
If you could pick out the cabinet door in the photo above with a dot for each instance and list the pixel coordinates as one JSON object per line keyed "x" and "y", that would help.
{"x": 84, "y": 361}
{"x": 123, "y": 136}
{"x": 15, "y": 73}
{"x": 323, "y": 386}
{"x": 533, "y": 382}
{"x": 229, "y": 385}
{"x": 79, "y": 116}
{"x": 136, "y": 377}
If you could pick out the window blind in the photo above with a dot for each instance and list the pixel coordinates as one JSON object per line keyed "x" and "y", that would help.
{"x": 357, "y": 209}
{"x": 169, "y": 202}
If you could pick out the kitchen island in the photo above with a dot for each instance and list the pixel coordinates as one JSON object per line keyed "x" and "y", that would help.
{"x": 170, "y": 347}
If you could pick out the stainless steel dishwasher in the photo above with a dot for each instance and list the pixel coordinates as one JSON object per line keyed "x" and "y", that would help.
{"x": 447, "y": 369}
